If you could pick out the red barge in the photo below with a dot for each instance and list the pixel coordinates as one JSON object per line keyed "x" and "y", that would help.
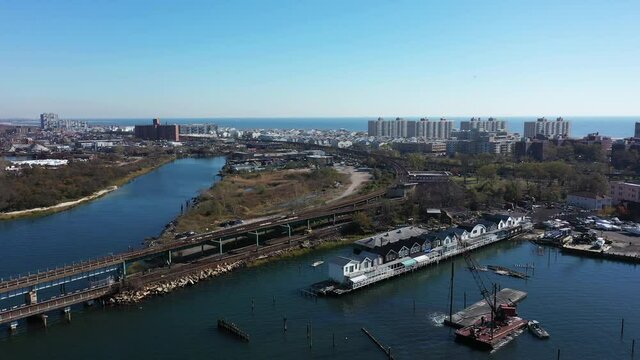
{"x": 489, "y": 334}
{"x": 503, "y": 325}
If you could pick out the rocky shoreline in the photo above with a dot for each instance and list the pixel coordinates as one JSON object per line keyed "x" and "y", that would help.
{"x": 134, "y": 296}
{"x": 128, "y": 297}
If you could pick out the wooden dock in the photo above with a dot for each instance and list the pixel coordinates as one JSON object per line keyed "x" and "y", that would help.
{"x": 474, "y": 312}
{"x": 233, "y": 329}
{"x": 385, "y": 350}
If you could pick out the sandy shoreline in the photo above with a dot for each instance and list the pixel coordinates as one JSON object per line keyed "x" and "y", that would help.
{"x": 57, "y": 207}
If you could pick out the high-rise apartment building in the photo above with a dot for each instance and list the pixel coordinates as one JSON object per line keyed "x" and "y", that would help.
{"x": 429, "y": 129}
{"x": 489, "y": 125}
{"x": 637, "y": 133}
{"x": 550, "y": 129}
{"x": 200, "y": 129}
{"x": 51, "y": 121}
{"x": 47, "y": 119}
{"x": 401, "y": 128}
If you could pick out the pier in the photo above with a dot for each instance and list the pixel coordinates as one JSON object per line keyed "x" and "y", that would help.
{"x": 473, "y": 313}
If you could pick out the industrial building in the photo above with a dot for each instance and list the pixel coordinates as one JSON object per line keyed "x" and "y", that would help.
{"x": 624, "y": 191}
{"x": 588, "y": 201}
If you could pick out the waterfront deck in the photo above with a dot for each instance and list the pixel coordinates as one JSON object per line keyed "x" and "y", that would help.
{"x": 473, "y": 313}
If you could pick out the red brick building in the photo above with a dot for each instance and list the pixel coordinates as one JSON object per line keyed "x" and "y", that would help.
{"x": 157, "y": 131}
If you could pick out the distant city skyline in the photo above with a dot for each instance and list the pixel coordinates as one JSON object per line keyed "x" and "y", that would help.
{"x": 146, "y": 59}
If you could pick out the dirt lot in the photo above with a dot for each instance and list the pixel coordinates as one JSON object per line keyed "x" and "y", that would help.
{"x": 357, "y": 178}
{"x": 622, "y": 242}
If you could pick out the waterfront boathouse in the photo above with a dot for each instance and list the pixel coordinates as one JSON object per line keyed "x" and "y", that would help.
{"x": 397, "y": 251}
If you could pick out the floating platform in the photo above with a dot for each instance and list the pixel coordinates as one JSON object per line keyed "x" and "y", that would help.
{"x": 486, "y": 338}
{"x": 473, "y": 313}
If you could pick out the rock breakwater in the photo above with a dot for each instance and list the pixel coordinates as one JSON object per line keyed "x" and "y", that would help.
{"x": 128, "y": 297}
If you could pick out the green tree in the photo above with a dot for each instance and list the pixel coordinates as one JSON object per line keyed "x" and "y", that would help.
{"x": 361, "y": 223}
{"x": 416, "y": 161}
{"x": 488, "y": 171}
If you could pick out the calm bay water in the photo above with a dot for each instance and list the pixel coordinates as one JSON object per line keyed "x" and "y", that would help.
{"x": 113, "y": 223}
{"x": 579, "y": 301}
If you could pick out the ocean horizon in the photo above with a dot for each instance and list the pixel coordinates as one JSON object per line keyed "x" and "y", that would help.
{"x": 613, "y": 126}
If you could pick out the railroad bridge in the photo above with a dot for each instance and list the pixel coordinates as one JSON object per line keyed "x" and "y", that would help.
{"x": 35, "y": 293}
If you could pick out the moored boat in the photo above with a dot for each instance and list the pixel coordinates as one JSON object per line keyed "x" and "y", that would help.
{"x": 537, "y": 330}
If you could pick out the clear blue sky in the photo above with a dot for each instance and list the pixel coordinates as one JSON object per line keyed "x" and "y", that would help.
{"x": 318, "y": 58}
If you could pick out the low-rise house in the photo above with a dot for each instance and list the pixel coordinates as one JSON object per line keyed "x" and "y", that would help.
{"x": 501, "y": 221}
{"x": 442, "y": 241}
{"x": 390, "y": 237}
{"x": 343, "y": 269}
{"x": 488, "y": 224}
{"x": 461, "y": 234}
{"x": 474, "y": 229}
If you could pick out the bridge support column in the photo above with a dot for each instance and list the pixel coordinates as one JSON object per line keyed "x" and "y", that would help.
{"x": 169, "y": 258}
{"x": 257, "y": 238}
{"x": 67, "y": 313}
{"x": 288, "y": 227}
{"x": 308, "y": 224}
{"x": 31, "y": 297}
{"x": 124, "y": 270}
{"x": 44, "y": 319}
{"x": 334, "y": 219}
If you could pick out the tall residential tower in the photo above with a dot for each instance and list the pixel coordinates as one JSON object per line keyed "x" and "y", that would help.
{"x": 550, "y": 129}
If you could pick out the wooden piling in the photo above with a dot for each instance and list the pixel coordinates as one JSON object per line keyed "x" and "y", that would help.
{"x": 284, "y": 320}
{"x": 558, "y": 358}
{"x": 451, "y": 291}
{"x": 387, "y": 351}
{"x": 622, "y": 328}
{"x": 633, "y": 347}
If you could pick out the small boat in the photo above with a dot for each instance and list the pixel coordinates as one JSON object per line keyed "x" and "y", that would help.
{"x": 317, "y": 263}
{"x": 537, "y": 330}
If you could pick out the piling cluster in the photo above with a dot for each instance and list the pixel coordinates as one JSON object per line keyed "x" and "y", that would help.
{"x": 127, "y": 297}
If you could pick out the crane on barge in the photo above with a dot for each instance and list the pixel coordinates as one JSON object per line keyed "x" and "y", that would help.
{"x": 504, "y": 320}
